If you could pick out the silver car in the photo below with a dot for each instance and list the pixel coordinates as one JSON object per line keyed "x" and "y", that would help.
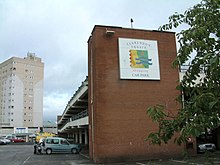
{"x": 55, "y": 144}
{"x": 206, "y": 147}
{"x": 4, "y": 140}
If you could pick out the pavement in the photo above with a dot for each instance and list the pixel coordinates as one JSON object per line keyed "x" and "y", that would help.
{"x": 22, "y": 153}
{"x": 198, "y": 159}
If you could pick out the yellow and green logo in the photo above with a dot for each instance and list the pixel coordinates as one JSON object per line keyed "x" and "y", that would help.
{"x": 139, "y": 59}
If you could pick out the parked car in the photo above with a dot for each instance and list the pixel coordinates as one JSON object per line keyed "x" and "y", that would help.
{"x": 4, "y": 140}
{"x": 17, "y": 140}
{"x": 56, "y": 144}
{"x": 14, "y": 139}
{"x": 10, "y": 136}
{"x": 206, "y": 147}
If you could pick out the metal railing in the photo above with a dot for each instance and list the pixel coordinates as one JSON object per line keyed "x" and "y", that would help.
{"x": 79, "y": 115}
{"x": 184, "y": 68}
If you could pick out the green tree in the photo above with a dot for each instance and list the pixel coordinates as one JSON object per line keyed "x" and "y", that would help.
{"x": 200, "y": 109}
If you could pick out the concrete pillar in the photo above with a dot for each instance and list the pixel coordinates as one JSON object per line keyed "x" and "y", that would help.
{"x": 80, "y": 136}
{"x": 76, "y": 137}
{"x": 86, "y": 137}
{"x": 27, "y": 138}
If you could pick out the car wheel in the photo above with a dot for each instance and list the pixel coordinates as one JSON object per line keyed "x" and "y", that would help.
{"x": 48, "y": 151}
{"x": 74, "y": 151}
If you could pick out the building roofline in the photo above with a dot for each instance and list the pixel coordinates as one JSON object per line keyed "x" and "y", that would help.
{"x": 118, "y": 27}
{"x": 38, "y": 59}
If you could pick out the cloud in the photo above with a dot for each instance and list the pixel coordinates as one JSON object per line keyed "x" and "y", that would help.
{"x": 57, "y": 31}
{"x": 54, "y": 104}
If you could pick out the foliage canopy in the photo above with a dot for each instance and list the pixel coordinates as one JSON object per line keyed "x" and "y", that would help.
{"x": 200, "y": 109}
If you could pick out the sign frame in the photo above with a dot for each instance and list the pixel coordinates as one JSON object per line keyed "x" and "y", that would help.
{"x": 138, "y": 59}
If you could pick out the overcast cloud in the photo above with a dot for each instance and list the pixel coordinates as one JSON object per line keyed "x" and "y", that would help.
{"x": 57, "y": 31}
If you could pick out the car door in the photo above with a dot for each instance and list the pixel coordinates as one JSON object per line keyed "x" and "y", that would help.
{"x": 56, "y": 145}
{"x": 53, "y": 144}
{"x": 64, "y": 144}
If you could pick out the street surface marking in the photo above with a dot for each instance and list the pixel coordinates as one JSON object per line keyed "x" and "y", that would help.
{"x": 140, "y": 163}
{"x": 179, "y": 161}
{"x": 26, "y": 160}
{"x": 84, "y": 155}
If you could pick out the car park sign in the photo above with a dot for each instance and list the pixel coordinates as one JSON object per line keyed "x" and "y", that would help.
{"x": 138, "y": 59}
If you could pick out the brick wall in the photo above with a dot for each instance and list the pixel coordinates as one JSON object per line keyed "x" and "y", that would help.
{"x": 118, "y": 123}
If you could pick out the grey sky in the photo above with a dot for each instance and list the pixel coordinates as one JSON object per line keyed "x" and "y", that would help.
{"x": 57, "y": 31}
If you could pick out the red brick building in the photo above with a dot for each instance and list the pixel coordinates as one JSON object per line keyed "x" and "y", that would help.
{"x": 117, "y": 104}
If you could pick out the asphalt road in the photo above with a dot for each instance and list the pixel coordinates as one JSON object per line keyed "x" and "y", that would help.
{"x": 22, "y": 154}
